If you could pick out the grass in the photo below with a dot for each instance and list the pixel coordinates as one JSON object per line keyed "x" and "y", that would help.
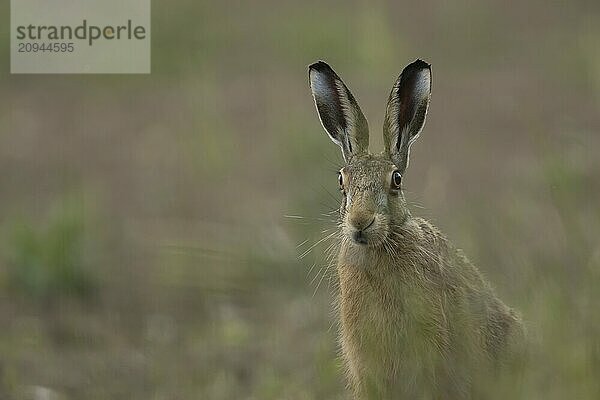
{"x": 173, "y": 272}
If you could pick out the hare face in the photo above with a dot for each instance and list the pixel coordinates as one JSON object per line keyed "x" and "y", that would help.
{"x": 372, "y": 201}
{"x": 372, "y": 204}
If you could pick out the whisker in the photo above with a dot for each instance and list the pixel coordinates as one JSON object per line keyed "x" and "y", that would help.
{"x": 310, "y": 270}
{"x": 294, "y": 216}
{"x": 301, "y": 218}
{"x": 302, "y": 244}
{"x": 316, "y": 244}
{"x": 330, "y": 194}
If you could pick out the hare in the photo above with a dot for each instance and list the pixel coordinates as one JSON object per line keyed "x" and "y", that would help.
{"x": 417, "y": 319}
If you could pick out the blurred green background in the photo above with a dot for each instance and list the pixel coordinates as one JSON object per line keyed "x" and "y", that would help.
{"x": 147, "y": 244}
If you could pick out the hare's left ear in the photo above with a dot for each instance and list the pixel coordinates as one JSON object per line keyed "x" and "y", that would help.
{"x": 406, "y": 110}
{"x": 339, "y": 112}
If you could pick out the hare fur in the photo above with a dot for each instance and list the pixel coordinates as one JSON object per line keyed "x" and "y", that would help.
{"x": 417, "y": 319}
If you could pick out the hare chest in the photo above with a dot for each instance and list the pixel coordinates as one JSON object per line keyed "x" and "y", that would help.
{"x": 394, "y": 335}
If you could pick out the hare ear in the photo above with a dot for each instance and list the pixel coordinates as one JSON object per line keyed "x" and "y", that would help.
{"x": 406, "y": 110}
{"x": 338, "y": 111}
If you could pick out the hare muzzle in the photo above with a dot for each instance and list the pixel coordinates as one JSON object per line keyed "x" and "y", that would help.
{"x": 361, "y": 222}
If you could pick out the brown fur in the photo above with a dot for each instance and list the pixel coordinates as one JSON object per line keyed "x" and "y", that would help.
{"x": 421, "y": 321}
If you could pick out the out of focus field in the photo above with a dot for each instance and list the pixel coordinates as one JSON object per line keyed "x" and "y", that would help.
{"x": 145, "y": 251}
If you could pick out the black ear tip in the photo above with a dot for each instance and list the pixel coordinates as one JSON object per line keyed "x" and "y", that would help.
{"x": 320, "y": 66}
{"x": 418, "y": 65}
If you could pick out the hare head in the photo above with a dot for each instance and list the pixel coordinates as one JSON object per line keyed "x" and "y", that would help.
{"x": 373, "y": 205}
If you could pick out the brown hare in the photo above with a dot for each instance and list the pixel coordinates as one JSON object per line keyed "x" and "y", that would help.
{"x": 417, "y": 319}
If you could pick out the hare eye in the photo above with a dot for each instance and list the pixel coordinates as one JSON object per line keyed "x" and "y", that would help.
{"x": 340, "y": 180}
{"x": 396, "y": 180}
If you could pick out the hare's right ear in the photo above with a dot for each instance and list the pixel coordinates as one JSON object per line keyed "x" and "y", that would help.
{"x": 340, "y": 115}
{"x": 406, "y": 111}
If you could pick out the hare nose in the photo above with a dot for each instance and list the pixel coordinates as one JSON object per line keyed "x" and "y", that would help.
{"x": 361, "y": 221}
